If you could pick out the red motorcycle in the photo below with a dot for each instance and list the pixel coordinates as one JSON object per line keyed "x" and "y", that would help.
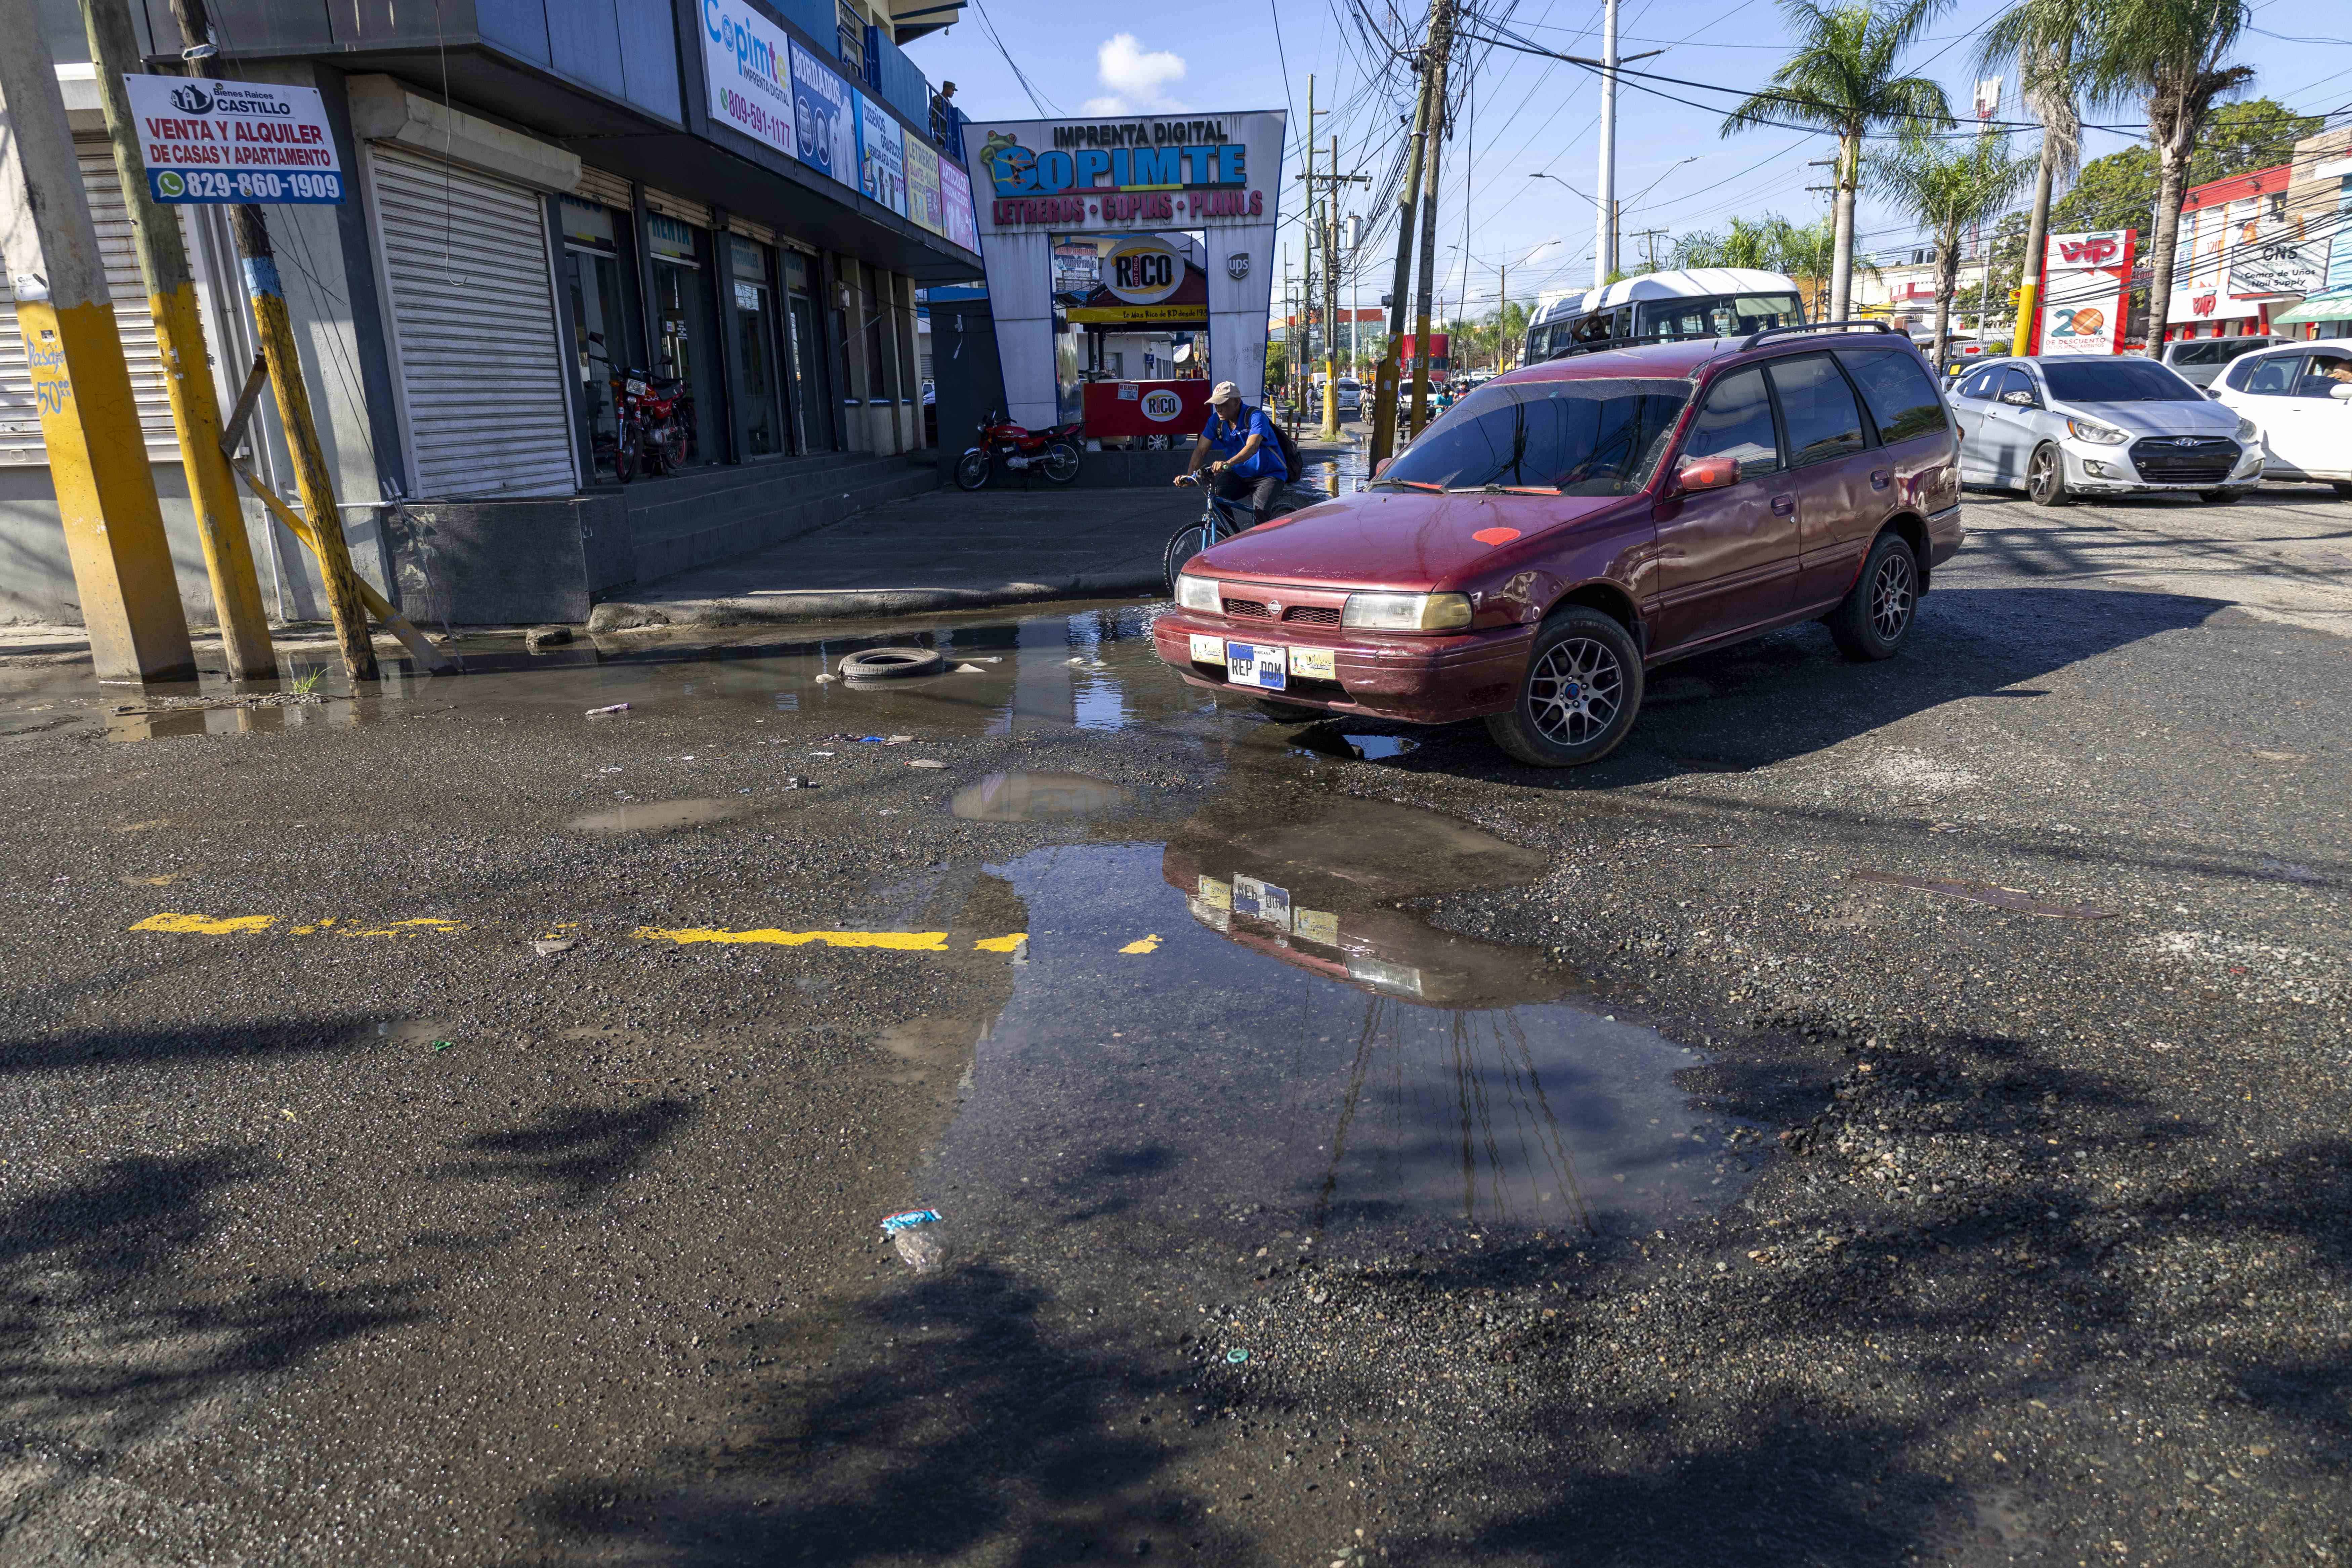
{"x": 1052, "y": 453}
{"x": 656, "y": 415}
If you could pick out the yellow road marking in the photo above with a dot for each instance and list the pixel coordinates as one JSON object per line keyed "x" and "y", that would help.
{"x": 895, "y": 940}
{"x": 409, "y": 928}
{"x": 1001, "y": 943}
{"x": 1147, "y": 944}
{"x": 204, "y": 925}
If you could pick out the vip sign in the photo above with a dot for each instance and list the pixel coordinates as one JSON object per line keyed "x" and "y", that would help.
{"x": 1142, "y": 271}
{"x": 2088, "y": 275}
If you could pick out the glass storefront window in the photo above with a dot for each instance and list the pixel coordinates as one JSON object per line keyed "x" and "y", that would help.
{"x": 755, "y": 348}
{"x": 804, "y": 357}
{"x": 602, "y": 322}
{"x": 682, "y": 322}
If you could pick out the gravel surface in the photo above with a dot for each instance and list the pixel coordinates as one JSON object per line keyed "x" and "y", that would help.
{"x": 2015, "y": 970}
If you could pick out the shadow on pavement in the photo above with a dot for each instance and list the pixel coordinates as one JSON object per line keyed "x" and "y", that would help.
{"x": 577, "y": 1148}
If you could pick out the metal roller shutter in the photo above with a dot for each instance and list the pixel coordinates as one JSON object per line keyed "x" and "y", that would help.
{"x": 20, "y": 422}
{"x": 464, "y": 261}
{"x": 596, "y": 186}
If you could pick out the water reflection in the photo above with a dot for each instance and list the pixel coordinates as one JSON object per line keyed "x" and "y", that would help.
{"x": 1037, "y": 797}
{"x": 1286, "y": 1041}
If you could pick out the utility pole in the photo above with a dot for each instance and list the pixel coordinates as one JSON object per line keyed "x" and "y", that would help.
{"x": 1502, "y": 315}
{"x": 1326, "y": 297}
{"x": 96, "y": 454}
{"x": 1650, "y": 237}
{"x": 179, "y": 345}
{"x": 1356, "y": 301}
{"x": 1605, "y": 238}
{"x": 1442, "y": 46}
{"x": 1384, "y": 378}
{"x": 275, "y": 330}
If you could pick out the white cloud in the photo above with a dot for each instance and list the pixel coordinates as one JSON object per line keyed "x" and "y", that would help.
{"x": 1137, "y": 78}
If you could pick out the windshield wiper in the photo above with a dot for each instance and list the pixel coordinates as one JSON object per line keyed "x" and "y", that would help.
{"x": 1494, "y": 490}
{"x": 1414, "y": 484}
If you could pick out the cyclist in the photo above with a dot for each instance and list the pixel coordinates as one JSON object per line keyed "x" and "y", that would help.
{"x": 1249, "y": 452}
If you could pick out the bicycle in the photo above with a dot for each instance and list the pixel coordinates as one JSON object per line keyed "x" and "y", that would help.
{"x": 1220, "y": 520}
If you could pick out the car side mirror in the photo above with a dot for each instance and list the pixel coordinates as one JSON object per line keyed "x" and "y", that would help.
{"x": 2018, "y": 399}
{"x": 1707, "y": 473}
{"x": 1381, "y": 467}
{"x": 2215, "y": 393}
{"x": 2342, "y": 389}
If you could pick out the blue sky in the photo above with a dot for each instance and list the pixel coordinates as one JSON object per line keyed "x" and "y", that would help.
{"x": 1526, "y": 115}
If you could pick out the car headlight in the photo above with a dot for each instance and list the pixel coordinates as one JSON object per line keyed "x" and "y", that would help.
{"x": 1199, "y": 593}
{"x": 2249, "y": 431}
{"x": 2104, "y": 435}
{"x": 1406, "y": 612}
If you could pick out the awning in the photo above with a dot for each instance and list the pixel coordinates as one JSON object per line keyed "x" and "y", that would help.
{"x": 2334, "y": 305}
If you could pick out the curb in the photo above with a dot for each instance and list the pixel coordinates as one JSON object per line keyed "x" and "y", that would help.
{"x": 862, "y": 604}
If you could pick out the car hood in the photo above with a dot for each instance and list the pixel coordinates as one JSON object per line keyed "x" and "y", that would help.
{"x": 2206, "y": 418}
{"x": 1396, "y": 538}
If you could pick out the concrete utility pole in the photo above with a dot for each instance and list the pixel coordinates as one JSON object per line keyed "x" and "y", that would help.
{"x": 1604, "y": 236}
{"x": 179, "y": 345}
{"x": 1326, "y": 297}
{"x": 275, "y": 331}
{"x": 1384, "y": 379}
{"x": 1442, "y": 45}
{"x": 89, "y": 424}
{"x": 1355, "y": 298}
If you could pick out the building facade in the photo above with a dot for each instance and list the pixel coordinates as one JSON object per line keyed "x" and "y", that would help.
{"x": 541, "y": 194}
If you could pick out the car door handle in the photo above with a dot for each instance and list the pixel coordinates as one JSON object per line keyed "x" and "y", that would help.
{"x": 1784, "y": 506}
{"x": 1882, "y": 479}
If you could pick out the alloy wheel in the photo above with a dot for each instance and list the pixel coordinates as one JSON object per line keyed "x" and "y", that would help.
{"x": 2038, "y": 473}
{"x": 1892, "y": 594}
{"x": 1575, "y": 690}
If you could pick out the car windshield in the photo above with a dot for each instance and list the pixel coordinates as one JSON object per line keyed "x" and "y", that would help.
{"x": 2115, "y": 381}
{"x": 1600, "y": 437}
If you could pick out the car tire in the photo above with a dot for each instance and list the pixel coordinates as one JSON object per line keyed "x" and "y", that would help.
{"x": 2219, "y": 498}
{"x": 1580, "y": 696}
{"x": 890, "y": 663}
{"x": 1875, "y": 618}
{"x": 2045, "y": 477}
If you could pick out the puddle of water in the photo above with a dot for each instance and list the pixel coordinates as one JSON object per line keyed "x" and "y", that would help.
{"x": 1274, "y": 1035}
{"x": 1037, "y": 797}
{"x": 1324, "y": 742}
{"x": 1093, "y": 670}
{"x": 657, "y": 816}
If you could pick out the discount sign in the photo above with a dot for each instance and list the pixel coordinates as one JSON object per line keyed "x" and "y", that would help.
{"x": 207, "y": 141}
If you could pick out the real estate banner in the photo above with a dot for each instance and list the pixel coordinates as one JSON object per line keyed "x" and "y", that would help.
{"x": 923, "y": 185}
{"x": 955, "y": 202}
{"x": 825, "y": 118}
{"x": 882, "y": 156}
{"x": 207, "y": 141}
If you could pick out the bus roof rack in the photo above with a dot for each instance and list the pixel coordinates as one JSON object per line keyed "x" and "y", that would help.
{"x": 1756, "y": 338}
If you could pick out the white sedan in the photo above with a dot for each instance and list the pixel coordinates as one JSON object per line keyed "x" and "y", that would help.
{"x": 2301, "y": 396}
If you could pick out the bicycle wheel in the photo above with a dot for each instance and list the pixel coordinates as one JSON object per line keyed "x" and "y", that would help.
{"x": 1188, "y": 542}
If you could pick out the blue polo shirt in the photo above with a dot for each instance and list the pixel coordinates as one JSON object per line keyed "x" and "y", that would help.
{"x": 1226, "y": 439}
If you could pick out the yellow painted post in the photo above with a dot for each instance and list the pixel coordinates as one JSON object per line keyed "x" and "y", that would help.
{"x": 275, "y": 331}
{"x": 180, "y": 343}
{"x": 97, "y": 452}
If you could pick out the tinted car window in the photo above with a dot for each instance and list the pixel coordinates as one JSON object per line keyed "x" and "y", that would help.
{"x": 1979, "y": 385}
{"x": 1601, "y": 437}
{"x": 1736, "y": 421}
{"x": 1900, "y": 394}
{"x": 2316, "y": 380}
{"x": 1818, "y": 408}
{"x": 2115, "y": 381}
{"x": 2271, "y": 377}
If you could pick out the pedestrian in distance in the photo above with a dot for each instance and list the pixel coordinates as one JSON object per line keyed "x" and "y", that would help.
{"x": 1249, "y": 451}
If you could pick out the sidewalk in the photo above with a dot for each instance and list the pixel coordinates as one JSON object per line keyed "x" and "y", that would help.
{"x": 945, "y": 550}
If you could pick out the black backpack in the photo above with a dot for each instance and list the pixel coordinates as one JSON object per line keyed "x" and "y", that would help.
{"x": 1291, "y": 458}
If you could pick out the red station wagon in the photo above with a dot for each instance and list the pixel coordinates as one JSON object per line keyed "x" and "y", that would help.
{"x": 1573, "y": 524}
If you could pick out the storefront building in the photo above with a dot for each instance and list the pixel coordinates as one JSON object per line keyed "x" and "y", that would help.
{"x": 542, "y": 195}
{"x": 1130, "y": 265}
{"x": 2320, "y": 193}
{"x": 2247, "y": 254}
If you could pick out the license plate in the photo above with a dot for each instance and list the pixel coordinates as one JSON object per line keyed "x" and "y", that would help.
{"x": 1258, "y": 664}
{"x": 1312, "y": 664}
{"x": 1207, "y": 649}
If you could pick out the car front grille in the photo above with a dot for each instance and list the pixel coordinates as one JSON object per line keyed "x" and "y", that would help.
{"x": 2161, "y": 459}
{"x": 1252, "y": 609}
{"x": 1302, "y": 615}
{"x": 1312, "y": 615}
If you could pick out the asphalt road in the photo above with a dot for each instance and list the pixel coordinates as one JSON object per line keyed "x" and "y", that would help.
{"x": 1882, "y": 1114}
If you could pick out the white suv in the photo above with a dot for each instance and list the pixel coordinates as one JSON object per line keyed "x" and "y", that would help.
{"x": 2301, "y": 396}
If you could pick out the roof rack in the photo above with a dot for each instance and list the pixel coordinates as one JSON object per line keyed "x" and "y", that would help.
{"x": 1598, "y": 345}
{"x": 1756, "y": 338}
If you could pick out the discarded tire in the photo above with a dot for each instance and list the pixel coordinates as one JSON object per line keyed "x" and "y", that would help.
{"x": 891, "y": 663}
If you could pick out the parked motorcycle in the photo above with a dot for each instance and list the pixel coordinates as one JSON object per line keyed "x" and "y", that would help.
{"x": 1054, "y": 453}
{"x": 653, "y": 417}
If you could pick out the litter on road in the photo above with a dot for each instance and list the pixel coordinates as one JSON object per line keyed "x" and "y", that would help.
{"x": 601, "y": 712}
{"x": 1987, "y": 893}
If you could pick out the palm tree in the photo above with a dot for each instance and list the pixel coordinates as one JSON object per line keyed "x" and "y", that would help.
{"x": 2043, "y": 39}
{"x": 1948, "y": 187}
{"x": 2167, "y": 55}
{"x": 1842, "y": 78}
